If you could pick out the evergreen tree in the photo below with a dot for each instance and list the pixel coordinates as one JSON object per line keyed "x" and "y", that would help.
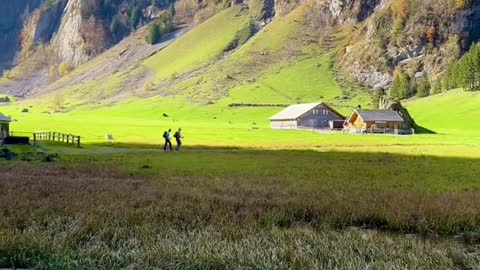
{"x": 465, "y": 73}
{"x": 378, "y": 95}
{"x": 134, "y": 18}
{"x": 423, "y": 86}
{"x": 171, "y": 11}
{"x": 154, "y": 34}
{"x": 400, "y": 86}
{"x": 405, "y": 84}
{"x": 115, "y": 26}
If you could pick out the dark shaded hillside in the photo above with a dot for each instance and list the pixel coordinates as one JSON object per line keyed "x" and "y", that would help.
{"x": 12, "y": 14}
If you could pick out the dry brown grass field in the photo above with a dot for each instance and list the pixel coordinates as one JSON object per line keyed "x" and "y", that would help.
{"x": 230, "y": 209}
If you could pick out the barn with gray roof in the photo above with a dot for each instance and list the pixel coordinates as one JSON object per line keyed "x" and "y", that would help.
{"x": 311, "y": 116}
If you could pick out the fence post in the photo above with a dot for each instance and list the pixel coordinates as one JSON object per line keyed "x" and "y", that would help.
{"x": 78, "y": 141}
{"x": 34, "y": 139}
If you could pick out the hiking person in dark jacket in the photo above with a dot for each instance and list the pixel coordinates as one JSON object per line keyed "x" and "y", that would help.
{"x": 166, "y": 136}
{"x": 178, "y": 138}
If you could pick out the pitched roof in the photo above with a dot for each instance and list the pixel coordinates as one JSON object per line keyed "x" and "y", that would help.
{"x": 3, "y": 118}
{"x": 379, "y": 115}
{"x": 293, "y": 112}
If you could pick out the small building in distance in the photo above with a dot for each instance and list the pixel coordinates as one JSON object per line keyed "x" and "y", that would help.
{"x": 4, "y": 126}
{"x": 375, "y": 121}
{"x": 308, "y": 116}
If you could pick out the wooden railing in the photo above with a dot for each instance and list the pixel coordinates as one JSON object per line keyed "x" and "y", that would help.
{"x": 56, "y": 137}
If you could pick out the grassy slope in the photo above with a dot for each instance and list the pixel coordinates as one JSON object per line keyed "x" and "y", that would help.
{"x": 281, "y": 64}
{"x": 199, "y": 47}
{"x": 452, "y": 112}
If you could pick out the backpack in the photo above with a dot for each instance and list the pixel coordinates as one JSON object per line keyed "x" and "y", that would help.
{"x": 165, "y": 135}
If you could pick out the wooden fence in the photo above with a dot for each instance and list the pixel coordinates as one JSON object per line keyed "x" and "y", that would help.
{"x": 56, "y": 137}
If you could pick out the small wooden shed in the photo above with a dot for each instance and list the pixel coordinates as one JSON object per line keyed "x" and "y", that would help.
{"x": 4, "y": 126}
{"x": 374, "y": 121}
{"x": 311, "y": 116}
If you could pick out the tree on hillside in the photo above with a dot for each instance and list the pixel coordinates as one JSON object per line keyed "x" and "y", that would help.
{"x": 400, "y": 86}
{"x": 165, "y": 22}
{"x": 462, "y": 4}
{"x": 135, "y": 17}
{"x": 171, "y": 11}
{"x": 64, "y": 68}
{"x": 115, "y": 28}
{"x": 94, "y": 35}
{"x": 431, "y": 35}
{"x": 423, "y": 86}
{"x": 378, "y": 95}
{"x": 154, "y": 34}
{"x": 465, "y": 73}
{"x": 400, "y": 10}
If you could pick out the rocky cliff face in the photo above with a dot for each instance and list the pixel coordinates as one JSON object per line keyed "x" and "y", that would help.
{"x": 416, "y": 37}
{"x": 68, "y": 41}
{"x": 63, "y": 26}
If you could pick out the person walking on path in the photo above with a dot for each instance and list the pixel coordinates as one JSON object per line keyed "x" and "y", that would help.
{"x": 166, "y": 136}
{"x": 178, "y": 138}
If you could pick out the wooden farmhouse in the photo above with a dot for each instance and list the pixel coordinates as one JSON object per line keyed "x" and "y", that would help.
{"x": 374, "y": 121}
{"x": 308, "y": 116}
{"x": 4, "y": 126}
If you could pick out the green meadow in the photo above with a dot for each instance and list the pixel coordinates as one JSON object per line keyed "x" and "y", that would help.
{"x": 141, "y": 121}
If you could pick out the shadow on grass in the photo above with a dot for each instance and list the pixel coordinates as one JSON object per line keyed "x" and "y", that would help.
{"x": 423, "y": 130}
{"x": 121, "y": 145}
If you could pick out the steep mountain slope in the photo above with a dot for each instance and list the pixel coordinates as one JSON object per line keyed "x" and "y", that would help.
{"x": 414, "y": 37}
{"x": 418, "y": 38}
{"x": 12, "y": 16}
{"x": 46, "y": 39}
{"x": 225, "y": 59}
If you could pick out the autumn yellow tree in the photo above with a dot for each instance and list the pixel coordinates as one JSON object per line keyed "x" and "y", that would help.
{"x": 401, "y": 8}
{"x": 431, "y": 34}
{"x": 462, "y": 4}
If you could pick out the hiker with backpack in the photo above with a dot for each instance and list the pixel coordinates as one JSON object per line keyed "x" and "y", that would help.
{"x": 178, "y": 138}
{"x": 166, "y": 136}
